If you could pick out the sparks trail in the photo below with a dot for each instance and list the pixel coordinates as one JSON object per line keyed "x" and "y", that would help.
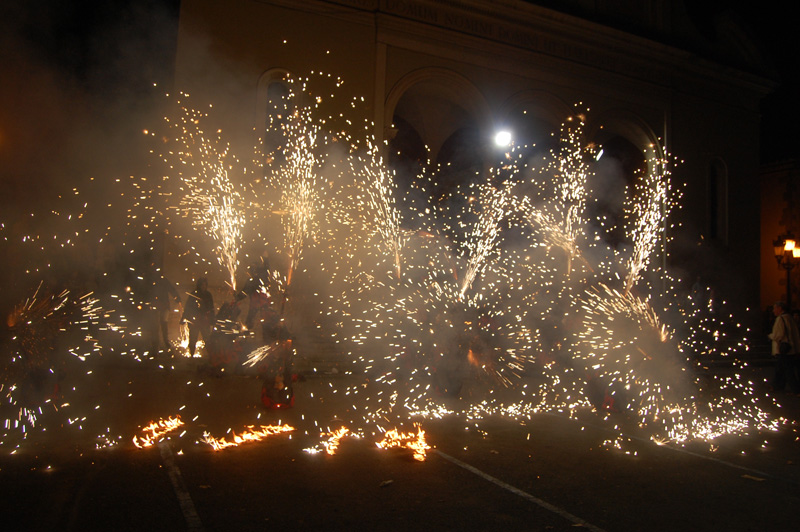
{"x": 47, "y": 331}
{"x": 211, "y": 199}
{"x": 561, "y": 219}
{"x": 649, "y": 213}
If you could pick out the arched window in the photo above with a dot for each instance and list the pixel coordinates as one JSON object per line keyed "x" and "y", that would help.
{"x": 614, "y": 179}
{"x": 275, "y": 101}
{"x": 437, "y": 114}
{"x": 407, "y": 152}
{"x": 460, "y": 158}
{"x": 717, "y": 195}
{"x": 279, "y": 104}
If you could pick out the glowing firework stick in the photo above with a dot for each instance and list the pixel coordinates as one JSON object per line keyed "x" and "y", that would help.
{"x": 484, "y": 235}
{"x": 649, "y": 210}
{"x": 382, "y": 216}
{"x": 216, "y": 210}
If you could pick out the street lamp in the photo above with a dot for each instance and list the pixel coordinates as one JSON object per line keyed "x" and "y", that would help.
{"x": 788, "y": 256}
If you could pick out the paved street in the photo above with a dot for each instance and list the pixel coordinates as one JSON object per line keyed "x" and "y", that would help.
{"x": 551, "y": 473}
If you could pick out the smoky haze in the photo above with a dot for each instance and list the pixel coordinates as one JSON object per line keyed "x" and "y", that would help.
{"x": 78, "y": 87}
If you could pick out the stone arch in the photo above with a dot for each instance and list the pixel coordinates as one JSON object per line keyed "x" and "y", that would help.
{"x": 437, "y": 103}
{"x": 628, "y": 139}
{"x": 268, "y": 78}
{"x": 533, "y": 115}
{"x": 717, "y": 201}
{"x": 627, "y": 144}
{"x": 628, "y": 125}
{"x": 274, "y": 101}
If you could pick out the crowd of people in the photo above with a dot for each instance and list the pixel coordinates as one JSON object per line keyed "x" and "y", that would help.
{"x": 227, "y": 340}
{"x": 223, "y": 332}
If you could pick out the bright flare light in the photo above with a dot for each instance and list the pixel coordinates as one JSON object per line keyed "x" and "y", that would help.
{"x": 502, "y": 138}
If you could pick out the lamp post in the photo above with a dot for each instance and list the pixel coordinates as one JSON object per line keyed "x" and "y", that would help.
{"x": 788, "y": 256}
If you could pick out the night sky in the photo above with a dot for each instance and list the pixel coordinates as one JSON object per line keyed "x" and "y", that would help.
{"x": 776, "y": 31}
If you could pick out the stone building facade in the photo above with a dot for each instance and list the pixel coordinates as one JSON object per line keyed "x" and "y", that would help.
{"x": 438, "y": 78}
{"x": 780, "y": 217}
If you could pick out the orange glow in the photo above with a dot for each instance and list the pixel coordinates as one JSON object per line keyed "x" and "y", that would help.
{"x": 333, "y": 440}
{"x": 249, "y": 435}
{"x": 155, "y": 430}
{"x": 472, "y": 359}
{"x": 415, "y": 442}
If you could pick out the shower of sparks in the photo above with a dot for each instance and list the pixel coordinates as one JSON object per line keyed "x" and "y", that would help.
{"x": 627, "y": 355}
{"x": 295, "y": 173}
{"x": 381, "y": 213}
{"x": 493, "y": 206}
{"x": 649, "y": 212}
{"x": 300, "y": 201}
{"x": 212, "y": 201}
{"x": 561, "y": 221}
{"x": 220, "y": 215}
{"x": 437, "y": 326}
{"x": 33, "y": 363}
{"x": 456, "y": 298}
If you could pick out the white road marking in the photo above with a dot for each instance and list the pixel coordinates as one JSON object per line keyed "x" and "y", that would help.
{"x": 525, "y": 495}
{"x": 682, "y": 450}
{"x": 193, "y": 522}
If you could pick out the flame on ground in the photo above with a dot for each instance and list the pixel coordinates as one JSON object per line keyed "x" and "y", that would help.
{"x": 332, "y": 444}
{"x": 155, "y": 430}
{"x": 250, "y": 435}
{"x": 413, "y": 441}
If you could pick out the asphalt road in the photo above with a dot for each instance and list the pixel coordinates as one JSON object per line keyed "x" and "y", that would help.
{"x": 550, "y": 473}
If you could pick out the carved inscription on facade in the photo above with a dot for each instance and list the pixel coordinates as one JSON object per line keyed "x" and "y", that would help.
{"x": 370, "y": 5}
{"x": 487, "y": 28}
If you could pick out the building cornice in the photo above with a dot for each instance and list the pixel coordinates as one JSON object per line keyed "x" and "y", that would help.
{"x": 544, "y": 32}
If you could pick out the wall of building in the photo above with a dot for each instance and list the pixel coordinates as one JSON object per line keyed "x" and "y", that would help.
{"x": 779, "y": 216}
{"x": 446, "y": 64}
